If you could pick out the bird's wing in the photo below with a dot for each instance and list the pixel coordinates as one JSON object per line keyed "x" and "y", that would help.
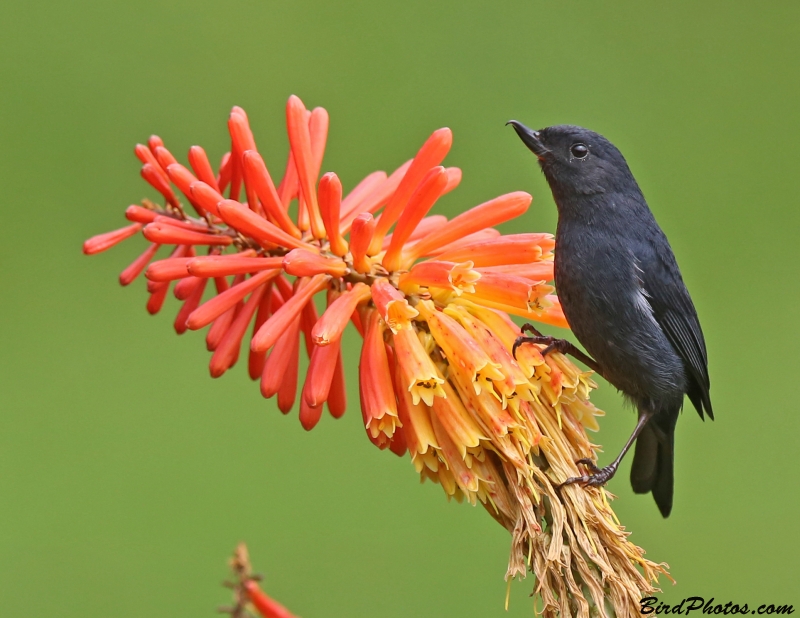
{"x": 675, "y": 313}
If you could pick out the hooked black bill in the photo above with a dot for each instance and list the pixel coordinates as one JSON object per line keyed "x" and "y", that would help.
{"x": 530, "y": 138}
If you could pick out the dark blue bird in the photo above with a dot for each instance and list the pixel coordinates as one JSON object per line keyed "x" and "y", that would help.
{"x": 624, "y": 297}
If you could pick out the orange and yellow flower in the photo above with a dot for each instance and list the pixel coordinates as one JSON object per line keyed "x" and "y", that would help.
{"x": 431, "y": 298}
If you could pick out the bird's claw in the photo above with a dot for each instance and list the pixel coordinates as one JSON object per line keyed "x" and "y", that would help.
{"x": 551, "y": 343}
{"x": 554, "y": 345}
{"x": 597, "y": 478}
{"x": 536, "y": 338}
{"x": 530, "y": 328}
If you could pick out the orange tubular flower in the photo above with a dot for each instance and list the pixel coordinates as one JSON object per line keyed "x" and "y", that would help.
{"x": 264, "y": 604}
{"x": 257, "y": 177}
{"x": 429, "y": 190}
{"x": 514, "y": 249}
{"x": 430, "y": 155}
{"x": 302, "y": 263}
{"x": 502, "y": 288}
{"x": 392, "y": 304}
{"x": 375, "y": 199}
{"x": 442, "y": 275}
{"x": 431, "y": 299}
{"x": 330, "y": 199}
{"x": 362, "y": 190}
{"x": 102, "y": 242}
{"x": 333, "y": 321}
{"x": 360, "y": 239}
{"x": 300, "y": 140}
{"x": 378, "y": 401}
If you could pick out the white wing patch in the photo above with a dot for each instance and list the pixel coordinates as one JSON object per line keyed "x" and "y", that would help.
{"x": 640, "y": 295}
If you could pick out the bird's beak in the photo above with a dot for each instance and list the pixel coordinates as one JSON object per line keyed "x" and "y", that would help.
{"x": 530, "y": 138}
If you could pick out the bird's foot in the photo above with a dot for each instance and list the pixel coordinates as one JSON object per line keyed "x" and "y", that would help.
{"x": 597, "y": 478}
{"x": 552, "y": 344}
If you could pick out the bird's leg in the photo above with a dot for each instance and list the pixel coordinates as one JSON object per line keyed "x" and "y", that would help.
{"x": 601, "y": 476}
{"x": 554, "y": 345}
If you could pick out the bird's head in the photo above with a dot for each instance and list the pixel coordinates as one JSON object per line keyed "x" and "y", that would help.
{"x": 576, "y": 161}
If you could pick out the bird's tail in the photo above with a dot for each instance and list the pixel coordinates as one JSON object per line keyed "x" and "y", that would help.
{"x": 653, "y": 462}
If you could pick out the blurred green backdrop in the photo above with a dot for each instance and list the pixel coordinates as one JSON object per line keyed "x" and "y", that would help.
{"x": 127, "y": 475}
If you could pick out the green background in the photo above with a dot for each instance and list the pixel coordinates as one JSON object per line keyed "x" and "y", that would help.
{"x": 127, "y": 475}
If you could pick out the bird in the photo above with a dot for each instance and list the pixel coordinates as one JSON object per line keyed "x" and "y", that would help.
{"x": 624, "y": 298}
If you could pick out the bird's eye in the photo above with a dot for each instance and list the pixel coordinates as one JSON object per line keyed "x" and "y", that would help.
{"x": 579, "y": 151}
